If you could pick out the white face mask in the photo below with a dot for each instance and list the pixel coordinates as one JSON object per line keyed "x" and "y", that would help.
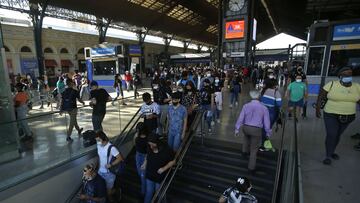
{"x": 271, "y": 76}
{"x": 298, "y": 80}
{"x": 217, "y": 80}
{"x": 208, "y": 75}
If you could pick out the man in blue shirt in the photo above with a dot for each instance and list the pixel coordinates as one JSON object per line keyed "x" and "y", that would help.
{"x": 94, "y": 187}
{"x": 177, "y": 117}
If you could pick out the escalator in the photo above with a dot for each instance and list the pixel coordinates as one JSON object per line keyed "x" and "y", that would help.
{"x": 211, "y": 168}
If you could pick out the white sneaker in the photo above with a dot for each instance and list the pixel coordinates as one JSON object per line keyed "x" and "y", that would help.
{"x": 209, "y": 130}
{"x": 218, "y": 121}
{"x": 236, "y": 103}
{"x": 230, "y": 106}
{"x": 212, "y": 123}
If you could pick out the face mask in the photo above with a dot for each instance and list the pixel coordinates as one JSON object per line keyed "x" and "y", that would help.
{"x": 208, "y": 75}
{"x": 346, "y": 79}
{"x": 181, "y": 90}
{"x": 175, "y": 103}
{"x": 271, "y": 76}
{"x": 298, "y": 80}
{"x": 217, "y": 80}
{"x": 98, "y": 142}
{"x": 156, "y": 87}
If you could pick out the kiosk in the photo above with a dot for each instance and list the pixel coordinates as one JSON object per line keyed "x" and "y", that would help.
{"x": 103, "y": 61}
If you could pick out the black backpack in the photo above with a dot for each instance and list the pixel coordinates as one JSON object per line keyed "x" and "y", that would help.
{"x": 89, "y": 138}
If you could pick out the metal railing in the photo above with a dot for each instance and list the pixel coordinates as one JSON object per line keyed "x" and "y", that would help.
{"x": 288, "y": 184}
{"x": 57, "y": 111}
{"x": 161, "y": 192}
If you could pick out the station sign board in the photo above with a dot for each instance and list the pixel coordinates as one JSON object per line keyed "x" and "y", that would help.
{"x": 235, "y": 29}
{"x": 346, "y": 32}
{"x": 134, "y": 50}
{"x": 103, "y": 51}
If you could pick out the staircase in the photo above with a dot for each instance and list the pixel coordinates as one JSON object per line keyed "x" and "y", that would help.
{"x": 210, "y": 169}
{"x": 207, "y": 172}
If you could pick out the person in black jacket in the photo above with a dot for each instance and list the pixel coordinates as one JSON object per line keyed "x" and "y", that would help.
{"x": 68, "y": 104}
{"x": 162, "y": 97}
{"x": 159, "y": 159}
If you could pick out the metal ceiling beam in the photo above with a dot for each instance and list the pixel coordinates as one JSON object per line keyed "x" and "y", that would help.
{"x": 263, "y": 2}
{"x": 124, "y": 11}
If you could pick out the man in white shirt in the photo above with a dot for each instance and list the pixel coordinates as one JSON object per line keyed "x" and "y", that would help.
{"x": 103, "y": 145}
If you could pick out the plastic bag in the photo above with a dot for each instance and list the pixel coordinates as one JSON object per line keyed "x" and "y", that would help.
{"x": 268, "y": 146}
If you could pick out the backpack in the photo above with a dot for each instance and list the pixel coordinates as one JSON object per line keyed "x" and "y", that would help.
{"x": 119, "y": 168}
{"x": 89, "y": 138}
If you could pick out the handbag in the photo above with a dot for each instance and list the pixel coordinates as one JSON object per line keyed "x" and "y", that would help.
{"x": 117, "y": 169}
{"x": 324, "y": 100}
{"x": 346, "y": 119}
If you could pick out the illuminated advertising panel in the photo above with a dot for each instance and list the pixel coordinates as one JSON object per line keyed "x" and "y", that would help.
{"x": 234, "y": 29}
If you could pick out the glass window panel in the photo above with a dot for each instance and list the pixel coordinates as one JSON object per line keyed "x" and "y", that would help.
{"x": 342, "y": 58}
{"x": 315, "y": 61}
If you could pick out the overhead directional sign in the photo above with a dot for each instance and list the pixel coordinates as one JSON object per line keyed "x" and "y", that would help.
{"x": 346, "y": 32}
{"x": 234, "y": 29}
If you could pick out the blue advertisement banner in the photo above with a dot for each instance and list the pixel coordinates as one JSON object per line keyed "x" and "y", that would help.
{"x": 29, "y": 66}
{"x": 89, "y": 69}
{"x": 102, "y": 51}
{"x": 134, "y": 50}
{"x": 346, "y": 32}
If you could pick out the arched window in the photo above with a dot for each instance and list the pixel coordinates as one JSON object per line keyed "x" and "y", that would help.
{"x": 25, "y": 49}
{"x": 48, "y": 50}
{"x": 6, "y": 49}
{"x": 81, "y": 51}
{"x": 64, "y": 51}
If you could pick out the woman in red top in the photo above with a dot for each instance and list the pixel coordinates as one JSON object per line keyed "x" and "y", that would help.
{"x": 20, "y": 100}
{"x": 128, "y": 79}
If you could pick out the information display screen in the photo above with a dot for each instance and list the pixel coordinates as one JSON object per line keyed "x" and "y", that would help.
{"x": 234, "y": 29}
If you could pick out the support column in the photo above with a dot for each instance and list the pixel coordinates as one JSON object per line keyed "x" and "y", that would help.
{"x": 167, "y": 41}
{"x": 186, "y": 46}
{"x": 37, "y": 14}
{"x": 199, "y": 47}
{"x": 102, "y": 25}
{"x": 141, "y": 39}
{"x": 220, "y": 36}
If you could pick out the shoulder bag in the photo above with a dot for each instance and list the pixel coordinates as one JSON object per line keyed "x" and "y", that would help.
{"x": 117, "y": 169}
{"x": 324, "y": 100}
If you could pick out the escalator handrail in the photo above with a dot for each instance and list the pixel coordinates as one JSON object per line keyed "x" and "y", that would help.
{"x": 54, "y": 112}
{"x": 159, "y": 194}
{"x": 279, "y": 164}
{"x": 117, "y": 142}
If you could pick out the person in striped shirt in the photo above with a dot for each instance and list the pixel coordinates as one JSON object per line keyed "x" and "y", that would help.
{"x": 271, "y": 98}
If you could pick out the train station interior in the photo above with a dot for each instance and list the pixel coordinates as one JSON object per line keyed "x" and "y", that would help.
{"x": 179, "y": 101}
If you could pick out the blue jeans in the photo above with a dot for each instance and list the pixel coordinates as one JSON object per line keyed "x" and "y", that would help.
{"x": 208, "y": 114}
{"x": 96, "y": 121}
{"x": 273, "y": 117}
{"x": 216, "y": 114}
{"x": 174, "y": 140}
{"x": 234, "y": 97}
{"x": 334, "y": 129}
{"x": 151, "y": 187}
{"x": 140, "y": 158}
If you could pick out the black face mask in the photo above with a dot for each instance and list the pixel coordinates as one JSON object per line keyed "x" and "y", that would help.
{"x": 175, "y": 103}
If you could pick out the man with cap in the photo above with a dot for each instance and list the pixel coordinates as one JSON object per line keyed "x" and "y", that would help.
{"x": 239, "y": 193}
{"x": 177, "y": 121}
{"x": 98, "y": 99}
{"x": 253, "y": 118}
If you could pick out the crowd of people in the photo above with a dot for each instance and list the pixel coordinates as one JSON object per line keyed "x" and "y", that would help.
{"x": 178, "y": 94}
